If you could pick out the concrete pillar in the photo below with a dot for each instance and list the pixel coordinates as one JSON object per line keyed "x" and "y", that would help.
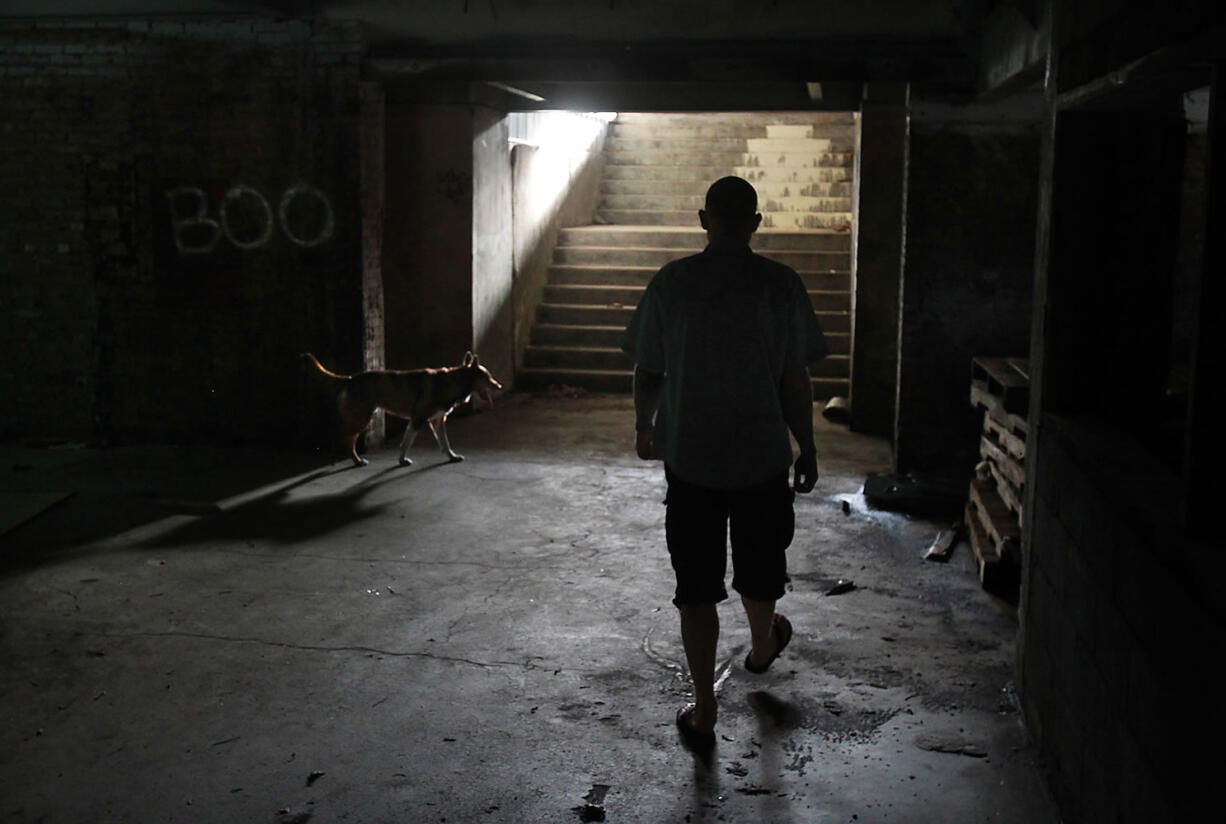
{"x": 372, "y": 194}
{"x": 878, "y": 260}
{"x": 428, "y": 234}
{"x": 1206, "y": 397}
{"x": 492, "y": 314}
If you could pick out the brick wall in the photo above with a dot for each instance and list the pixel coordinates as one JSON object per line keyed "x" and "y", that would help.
{"x": 181, "y": 217}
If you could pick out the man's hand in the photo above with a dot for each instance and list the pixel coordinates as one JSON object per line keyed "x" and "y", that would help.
{"x": 642, "y": 444}
{"x": 804, "y": 472}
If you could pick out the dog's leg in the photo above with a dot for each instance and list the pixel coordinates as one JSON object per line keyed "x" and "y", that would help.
{"x": 439, "y": 427}
{"x": 354, "y": 418}
{"x": 352, "y": 442}
{"x": 410, "y": 434}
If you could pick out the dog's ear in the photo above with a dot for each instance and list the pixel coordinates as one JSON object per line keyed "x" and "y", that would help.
{"x": 469, "y": 359}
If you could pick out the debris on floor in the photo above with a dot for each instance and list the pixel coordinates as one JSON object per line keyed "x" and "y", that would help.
{"x": 925, "y": 496}
{"x": 944, "y": 543}
{"x": 753, "y": 789}
{"x": 288, "y": 815}
{"x": 837, "y": 410}
{"x": 314, "y": 776}
{"x": 954, "y": 746}
{"x": 841, "y": 586}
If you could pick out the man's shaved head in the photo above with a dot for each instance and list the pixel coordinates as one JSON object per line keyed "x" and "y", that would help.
{"x": 731, "y": 199}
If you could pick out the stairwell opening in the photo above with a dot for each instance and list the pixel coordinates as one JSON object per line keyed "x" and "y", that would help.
{"x": 647, "y": 187}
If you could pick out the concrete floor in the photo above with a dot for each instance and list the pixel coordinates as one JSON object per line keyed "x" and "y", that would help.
{"x": 489, "y": 641}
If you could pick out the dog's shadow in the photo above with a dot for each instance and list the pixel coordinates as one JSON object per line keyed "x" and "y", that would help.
{"x": 281, "y": 518}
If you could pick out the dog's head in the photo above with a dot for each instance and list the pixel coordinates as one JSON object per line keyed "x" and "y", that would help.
{"x": 484, "y": 386}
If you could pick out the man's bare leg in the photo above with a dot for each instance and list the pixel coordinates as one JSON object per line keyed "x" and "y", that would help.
{"x": 699, "y": 636}
{"x": 761, "y": 615}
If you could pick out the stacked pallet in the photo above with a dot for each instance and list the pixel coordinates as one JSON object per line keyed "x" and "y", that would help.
{"x": 1001, "y": 388}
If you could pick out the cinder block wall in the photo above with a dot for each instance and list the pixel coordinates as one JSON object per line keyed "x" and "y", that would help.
{"x": 1121, "y": 607}
{"x": 180, "y": 218}
{"x": 967, "y": 273}
{"x": 1118, "y": 646}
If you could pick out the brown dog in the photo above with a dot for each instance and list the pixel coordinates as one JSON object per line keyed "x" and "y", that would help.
{"x": 419, "y": 395}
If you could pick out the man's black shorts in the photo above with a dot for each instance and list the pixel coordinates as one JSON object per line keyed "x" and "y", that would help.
{"x": 697, "y": 524}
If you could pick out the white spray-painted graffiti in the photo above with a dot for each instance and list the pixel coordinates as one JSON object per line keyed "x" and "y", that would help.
{"x": 245, "y": 218}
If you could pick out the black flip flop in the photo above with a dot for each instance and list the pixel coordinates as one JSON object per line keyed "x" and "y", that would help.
{"x": 695, "y": 741}
{"x": 783, "y": 634}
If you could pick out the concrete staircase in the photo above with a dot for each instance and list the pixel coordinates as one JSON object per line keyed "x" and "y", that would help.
{"x": 657, "y": 169}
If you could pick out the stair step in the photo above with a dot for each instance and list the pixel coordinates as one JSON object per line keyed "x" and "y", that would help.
{"x": 610, "y": 337}
{"x": 692, "y": 203}
{"x": 653, "y": 256}
{"x": 754, "y": 145}
{"x": 710, "y": 173}
{"x": 692, "y": 238}
{"x": 577, "y": 357}
{"x": 593, "y": 295}
{"x": 743, "y": 131}
{"x": 594, "y": 275}
{"x": 706, "y": 120}
{"x": 829, "y": 281}
{"x": 729, "y": 159}
{"x": 558, "y": 334}
{"x": 788, "y": 220}
{"x": 573, "y": 314}
{"x": 578, "y": 315}
{"x": 807, "y": 220}
{"x": 766, "y": 190}
{"x": 619, "y": 296}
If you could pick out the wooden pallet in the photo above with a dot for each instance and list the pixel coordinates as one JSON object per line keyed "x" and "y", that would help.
{"x": 1001, "y": 386}
{"x": 1007, "y": 465}
{"x": 995, "y": 536}
{"x": 1011, "y": 496}
{"x": 1005, "y": 378}
{"x": 1006, "y": 436}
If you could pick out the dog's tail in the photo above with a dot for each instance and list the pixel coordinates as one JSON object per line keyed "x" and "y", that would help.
{"x": 307, "y": 356}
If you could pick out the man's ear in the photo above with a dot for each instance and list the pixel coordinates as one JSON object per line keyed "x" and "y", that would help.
{"x": 468, "y": 359}
{"x": 702, "y": 218}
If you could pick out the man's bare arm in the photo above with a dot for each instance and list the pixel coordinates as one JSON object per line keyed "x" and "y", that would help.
{"x": 647, "y": 386}
{"x": 796, "y": 398}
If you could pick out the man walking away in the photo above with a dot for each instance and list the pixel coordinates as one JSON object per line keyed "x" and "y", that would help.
{"x": 721, "y": 342}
